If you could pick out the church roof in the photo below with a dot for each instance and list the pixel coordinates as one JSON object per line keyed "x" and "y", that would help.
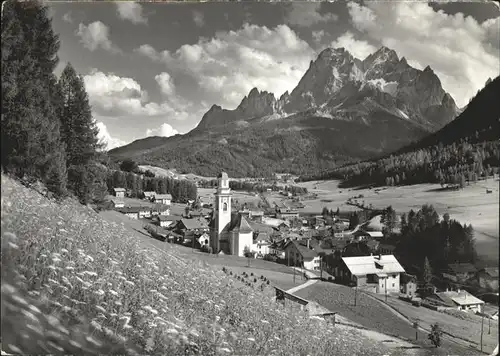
{"x": 243, "y": 226}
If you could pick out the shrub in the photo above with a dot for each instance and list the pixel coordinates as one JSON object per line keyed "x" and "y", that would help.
{"x": 435, "y": 335}
{"x": 255, "y": 280}
{"x": 267, "y": 282}
{"x": 251, "y": 274}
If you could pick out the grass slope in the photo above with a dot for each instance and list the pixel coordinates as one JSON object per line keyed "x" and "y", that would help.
{"x": 73, "y": 282}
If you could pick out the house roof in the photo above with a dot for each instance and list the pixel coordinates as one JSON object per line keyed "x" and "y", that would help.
{"x": 262, "y": 236}
{"x": 160, "y": 207}
{"x": 163, "y": 196}
{"x": 375, "y": 233}
{"x": 194, "y": 224}
{"x": 363, "y": 265}
{"x": 167, "y": 218}
{"x": 406, "y": 277}
{"x": 462, "y": 268}
{"x": 461, "y": 298}
{"x": 258, "y": 227}
{"x": 256, "y": 212}
{"x": 306, "y": 253}
{"x": 117, "y": 201}
{"x": 119, "y": 189}
{"x": 149, "y": 193}
{"x": 129, "y": 210}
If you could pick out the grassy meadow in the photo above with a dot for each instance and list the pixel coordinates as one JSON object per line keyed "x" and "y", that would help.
{"x": 75, "y": 282}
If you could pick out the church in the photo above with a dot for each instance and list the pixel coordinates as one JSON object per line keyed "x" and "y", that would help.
{"x": 229, "y": 233}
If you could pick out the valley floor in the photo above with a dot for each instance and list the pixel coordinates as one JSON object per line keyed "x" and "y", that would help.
{"x": 471, "y": 205}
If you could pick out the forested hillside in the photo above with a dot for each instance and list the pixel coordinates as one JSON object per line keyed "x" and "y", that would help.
{"x": 48, "y": 132}
{"x": 466, "y": 149}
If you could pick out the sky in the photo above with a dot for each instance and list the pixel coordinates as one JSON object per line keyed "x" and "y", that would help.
{"x": 154, "y": 69}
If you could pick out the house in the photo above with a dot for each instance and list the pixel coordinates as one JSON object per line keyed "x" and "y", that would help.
{"x": 119, "y": 192}
{"x": 408, "y": 284}
{"x": 256, "y": 215}
{"x": 386, "y": 249}
{"x": 131, "y": 212}
{"x": 149, "y": 195}
{"x": 462, "y": 300}
{"x": 460, "y": 272}
{"x": 117, "y": 203}
{"x": 285, "y": 213}
{"x": 204, "y": 240}
{"x": 261, "y": 243}
{"x": 165, "y": 221}
{"x": 300, "y": 254}
{"x": 163, "y": 199}
{"x": 487, "y": 278}
{"x": 192, "y": 227}
{"x": 144, "y": 212}
{"x": 379, "y": 274}
{"x": 160, "y": 209}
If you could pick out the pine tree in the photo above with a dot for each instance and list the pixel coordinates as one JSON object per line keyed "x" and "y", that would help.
{"x": 79, "y": 133}
{"x": 426, "y": 272}
{"x": 30, "y": 138}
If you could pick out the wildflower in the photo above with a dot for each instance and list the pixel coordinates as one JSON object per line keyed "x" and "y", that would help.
{"x": 63, "y": 250}
{"x": 99, "y": 292}
{"x": 112, "y": 292}
{"x": 130, "y": 283}
{"x": 250, "y": 339}
{"x": 101, "y": 309}
{"x": 92, "y": 274}
{"x": 172, "y": 331}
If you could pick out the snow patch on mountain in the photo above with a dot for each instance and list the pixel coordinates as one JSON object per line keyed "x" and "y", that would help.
{"x": 387, "y": 87}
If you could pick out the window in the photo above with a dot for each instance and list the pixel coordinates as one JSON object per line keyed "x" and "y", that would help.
{"x": 393, "y": 285}
{"x": 224, "y": 207}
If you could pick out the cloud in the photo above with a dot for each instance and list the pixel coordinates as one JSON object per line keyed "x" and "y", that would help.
{"x": 318, "y": 36}
{"x": 67, "y": 17}
{"x": 462, "y": 52}
{"x": 112, "y": 96}
{"x": 96, "y": 35}
{"x": 131, "y": 11}
{"x": 227, "y": 66}
{"x": 198, "y": 18}
{"x": 105, "y": 137}
{"x": 166, "y": 84}
{"x": 306, "y": 14}
{"x": 359, "y": 49}
{"x": 148, "y": 51}
{"x": 164, "y": 130}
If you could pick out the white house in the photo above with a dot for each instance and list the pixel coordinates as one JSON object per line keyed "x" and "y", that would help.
{"x": 261, "y": 244}
{"x": 117, "y": 203}
{"x": 119, "y": 192}
{"x": 379, "y": 274}
{"x": 131, "y": 212}
{"x": 149, "y": 195}
{"x": 163, "y": 199}
{"x": 144, "y": 212}
{"x": 463, "y": 300}
{"x": 165, "y": 221}
{"x": 204, "y": 239}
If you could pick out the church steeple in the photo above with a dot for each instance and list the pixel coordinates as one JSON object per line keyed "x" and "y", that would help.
{"x": 222, "y": 212}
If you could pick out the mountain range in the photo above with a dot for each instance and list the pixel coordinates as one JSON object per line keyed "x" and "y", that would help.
{"x": 342, "y": 109}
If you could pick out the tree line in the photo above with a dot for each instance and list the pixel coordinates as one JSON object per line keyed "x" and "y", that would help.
{"x": 457, "y": 164}
{"x": 442, "y": 241}
{"x": 253, "y": 186}
{"x": 48, "y": 132}
{"x": 181, "y": 190}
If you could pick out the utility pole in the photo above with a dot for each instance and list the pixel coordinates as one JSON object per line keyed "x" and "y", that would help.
{"x": 482, "y": 321}
{"x": 294, "y": 273}
{"x": 386, "y": 289}
{"x": 355, "y": 292}
{"x": 489, "y": 326}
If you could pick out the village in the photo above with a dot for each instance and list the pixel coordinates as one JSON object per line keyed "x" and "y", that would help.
{"x": 326, "y": 247}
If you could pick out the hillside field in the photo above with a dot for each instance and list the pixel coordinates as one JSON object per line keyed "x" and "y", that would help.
{"x": 470, "y": 205}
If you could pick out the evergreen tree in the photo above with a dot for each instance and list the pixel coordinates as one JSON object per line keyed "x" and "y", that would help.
{"x": 80, "y": 135}
{"x": 30, "y": 138}
{"x": 426, "y": 272}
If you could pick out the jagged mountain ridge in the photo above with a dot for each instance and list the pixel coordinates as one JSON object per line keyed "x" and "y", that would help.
{"x": 342, "y": 109}
{"x": 381, "y": 82}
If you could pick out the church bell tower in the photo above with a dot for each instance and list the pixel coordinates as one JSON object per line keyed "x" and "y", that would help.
{"x": 222, "y": 205}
